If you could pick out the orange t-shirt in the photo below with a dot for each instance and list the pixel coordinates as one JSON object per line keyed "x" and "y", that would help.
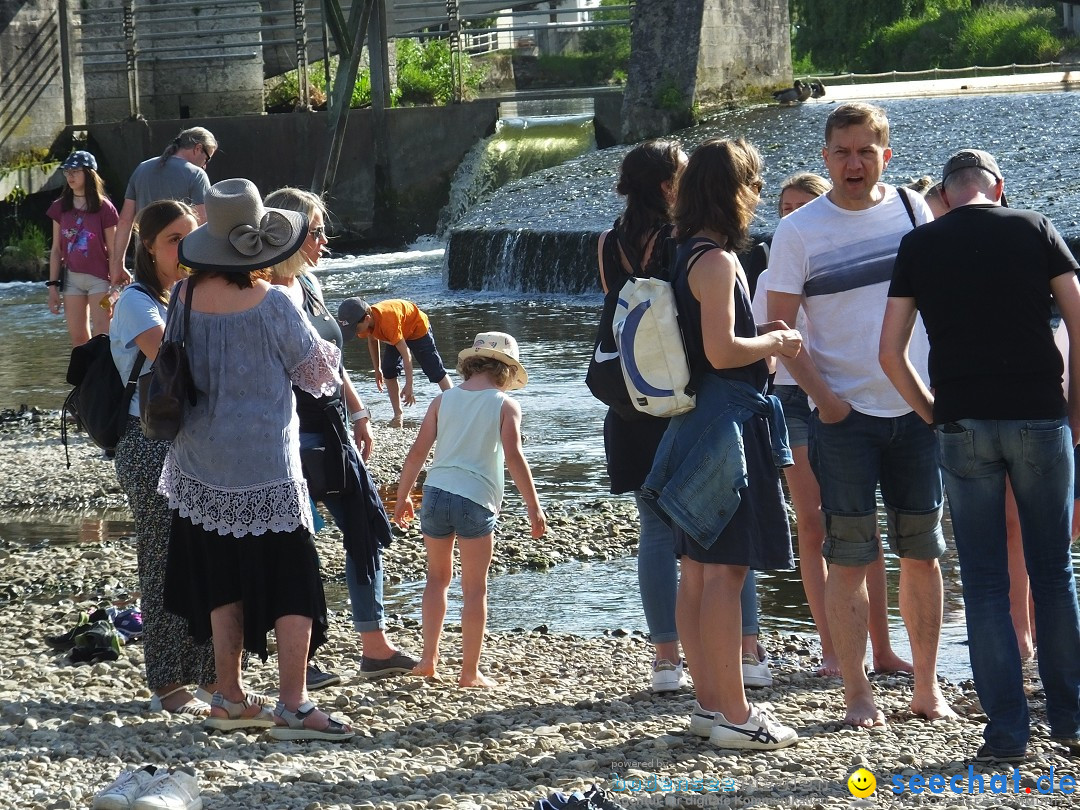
{"x": 396, "y": 319}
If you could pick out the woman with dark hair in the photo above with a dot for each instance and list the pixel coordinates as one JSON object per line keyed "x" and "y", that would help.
{"x": 633, "y": 246}
{"x": 357, "y": 511}
{"x": 715, "y": 475}
{"x": 84, "y": 224}
{"x": 242, "y": 558}
{"x": 173, "y": 660}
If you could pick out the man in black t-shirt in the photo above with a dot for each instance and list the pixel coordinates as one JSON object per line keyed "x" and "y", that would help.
{"x": 983, "y": 278}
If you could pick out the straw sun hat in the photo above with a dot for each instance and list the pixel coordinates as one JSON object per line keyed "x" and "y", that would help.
{"x": 502, "y": 347}
{"x": 240, "y": 234}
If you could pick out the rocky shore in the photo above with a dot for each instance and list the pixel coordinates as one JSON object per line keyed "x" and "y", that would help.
{"x": 568, "y": 711}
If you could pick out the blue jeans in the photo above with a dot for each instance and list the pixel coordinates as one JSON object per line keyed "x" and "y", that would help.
{"x": 366, "y": 598}
{"x": 1037, "y": 456}
{"x": 658, "y": 574}
{"x": 849, "y": 458}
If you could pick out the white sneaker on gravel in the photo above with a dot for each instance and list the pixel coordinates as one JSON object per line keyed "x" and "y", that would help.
{"x": 127, "y": 787}
{"x": 668, "y": 677}
{"x": 178, "y": 790}
{"x": 760, "y": 731}
{"x": 701, "y": 721}
{"x": 755, "y": 672}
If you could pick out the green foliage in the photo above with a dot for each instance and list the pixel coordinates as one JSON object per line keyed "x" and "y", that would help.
{"x": 1002, "y": 35}
{"x": 612, "y": 42}
{"x": 283, "y": 92}
{"x": 27, "y": 243}
{"x": 426, "y": 72}
{"x": 929, "y": 34}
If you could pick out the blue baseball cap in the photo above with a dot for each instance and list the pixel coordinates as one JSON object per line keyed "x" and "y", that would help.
{"x": 80, "y": 160}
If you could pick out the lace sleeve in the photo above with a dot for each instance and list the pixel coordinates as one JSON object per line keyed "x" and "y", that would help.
{"x": 318, "y": 371}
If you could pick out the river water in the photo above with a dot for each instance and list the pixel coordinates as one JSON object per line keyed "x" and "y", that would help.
{"x": 1031, "y": 134}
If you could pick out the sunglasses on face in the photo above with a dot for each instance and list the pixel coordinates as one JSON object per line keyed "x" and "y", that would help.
{"x": 318, "y": 233}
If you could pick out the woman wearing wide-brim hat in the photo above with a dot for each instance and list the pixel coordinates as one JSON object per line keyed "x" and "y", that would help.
{"x": 242, "y": 559}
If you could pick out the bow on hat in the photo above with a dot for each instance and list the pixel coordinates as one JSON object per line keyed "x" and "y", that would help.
{"x": 248, "y": 239}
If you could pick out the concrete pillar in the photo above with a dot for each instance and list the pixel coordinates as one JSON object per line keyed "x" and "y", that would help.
{"x": 690, "y": 53}
{"x": 33, "y": 105}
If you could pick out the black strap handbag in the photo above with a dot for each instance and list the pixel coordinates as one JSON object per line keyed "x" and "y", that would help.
{"x": 168, "y": 389}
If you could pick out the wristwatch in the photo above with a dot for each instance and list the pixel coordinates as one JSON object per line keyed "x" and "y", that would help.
{"x": 356, "y": 416}
{"x": 52, "y": 282}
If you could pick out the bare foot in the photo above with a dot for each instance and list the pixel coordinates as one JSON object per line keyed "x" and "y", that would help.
{"x": 932, "y": 706}
{"x": 863, "y": 714}
{"x": 891, "y": 662}
{"x": 830, "y": 667}
{"x": 426, "y": 669}
{"x": 476, "y": 680}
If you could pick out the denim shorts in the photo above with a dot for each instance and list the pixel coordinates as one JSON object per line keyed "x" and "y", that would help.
{"x": 796, "y": 413}
{"x": 444, "y": 514}
{"x": 84, "y": 284}
{"x": 850, "y": 458}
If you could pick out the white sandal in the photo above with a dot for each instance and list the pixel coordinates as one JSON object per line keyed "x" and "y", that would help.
{"x": 235, "y": 711}
{"x": 192, "y": 707}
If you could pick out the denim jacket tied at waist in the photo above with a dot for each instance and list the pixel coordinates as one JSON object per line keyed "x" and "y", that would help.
{"x": 700, "y": 465}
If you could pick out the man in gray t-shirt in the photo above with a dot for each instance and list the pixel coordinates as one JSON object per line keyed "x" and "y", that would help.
{"x": 178, "y": 174}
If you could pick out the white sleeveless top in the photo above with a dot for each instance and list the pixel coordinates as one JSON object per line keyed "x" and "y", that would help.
{"x": 468, "y": 446}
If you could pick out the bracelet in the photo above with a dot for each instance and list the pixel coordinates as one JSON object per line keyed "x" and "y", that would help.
{"x": 356, "y": 416}
{"x": 53, "y": 282}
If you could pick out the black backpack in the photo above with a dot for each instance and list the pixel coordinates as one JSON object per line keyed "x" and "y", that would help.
{"x": 99, "y": 401}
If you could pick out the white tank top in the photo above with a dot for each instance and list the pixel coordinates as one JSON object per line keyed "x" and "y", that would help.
{"x": 468, "y": 446}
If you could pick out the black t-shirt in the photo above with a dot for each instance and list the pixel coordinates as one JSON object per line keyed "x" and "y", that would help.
{"x": 980, "y": 277}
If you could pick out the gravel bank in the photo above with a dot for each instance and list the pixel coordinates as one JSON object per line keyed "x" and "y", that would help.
{"x": 568, "y": 711}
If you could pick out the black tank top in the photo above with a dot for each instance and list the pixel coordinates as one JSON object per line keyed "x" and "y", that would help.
{"x": 757, "y": 373}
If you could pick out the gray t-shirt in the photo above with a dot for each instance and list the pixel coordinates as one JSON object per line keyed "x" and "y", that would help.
{"x": 175, "y": 180}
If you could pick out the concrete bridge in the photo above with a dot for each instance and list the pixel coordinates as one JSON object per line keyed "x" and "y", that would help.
{"x": 125, "y": 75}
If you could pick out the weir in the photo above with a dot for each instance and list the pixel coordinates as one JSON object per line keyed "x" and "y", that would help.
{"x": 539, "y": 233}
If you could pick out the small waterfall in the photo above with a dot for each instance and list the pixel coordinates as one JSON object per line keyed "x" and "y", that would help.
{"x": 523, "y": 259}
{"x": 519, "y": 147}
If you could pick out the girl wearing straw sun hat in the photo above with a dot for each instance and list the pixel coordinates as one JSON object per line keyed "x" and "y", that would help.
{"x": 242, "y": 559}
{"x": 473, "y": 427}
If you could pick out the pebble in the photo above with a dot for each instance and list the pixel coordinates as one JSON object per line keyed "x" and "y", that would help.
{"x": 568, "y": 712}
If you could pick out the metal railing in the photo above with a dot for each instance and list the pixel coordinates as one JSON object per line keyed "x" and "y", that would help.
{"x": 973, "y": 71}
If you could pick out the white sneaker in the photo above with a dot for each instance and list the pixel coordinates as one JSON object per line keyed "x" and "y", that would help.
{"x": 756, "y": 673}
{"x": 702, "y": 721}
{"x": 128, "y": 786}
{"x": 178, "y": 790}
{"x": 668, "y": 677}
{"x": 760, "y": 731}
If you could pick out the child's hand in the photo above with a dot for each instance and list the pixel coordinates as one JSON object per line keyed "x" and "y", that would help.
{"x": 404, "y": 512}
{"x": 379, "y": 380}
{"x": 407, "y": 395}
{"x": 537, "y": 521}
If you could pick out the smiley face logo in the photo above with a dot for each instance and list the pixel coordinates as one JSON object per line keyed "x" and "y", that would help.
{"x": 862, "y": 783}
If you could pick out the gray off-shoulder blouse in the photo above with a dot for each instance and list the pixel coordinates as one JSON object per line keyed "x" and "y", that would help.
{"x": 234, "y": 468}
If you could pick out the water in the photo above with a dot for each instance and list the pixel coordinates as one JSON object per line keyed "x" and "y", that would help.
{"x": 562, "y": 422}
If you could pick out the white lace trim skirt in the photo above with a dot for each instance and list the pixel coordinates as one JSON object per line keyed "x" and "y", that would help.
{"x": 277, "y": 506}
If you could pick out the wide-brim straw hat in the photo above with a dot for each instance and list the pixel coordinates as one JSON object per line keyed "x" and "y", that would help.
{"x": 498, "y": 346}
{"x": 240, "y": 234}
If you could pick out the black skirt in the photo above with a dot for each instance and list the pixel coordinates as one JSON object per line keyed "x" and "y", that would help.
{"x": 274, "y": 574}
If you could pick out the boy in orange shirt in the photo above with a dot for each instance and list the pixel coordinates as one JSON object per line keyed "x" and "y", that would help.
{"x": 404, "y": 330}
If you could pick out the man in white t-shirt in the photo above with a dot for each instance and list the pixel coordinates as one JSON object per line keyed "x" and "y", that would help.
{"x": 834, "y": 258}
